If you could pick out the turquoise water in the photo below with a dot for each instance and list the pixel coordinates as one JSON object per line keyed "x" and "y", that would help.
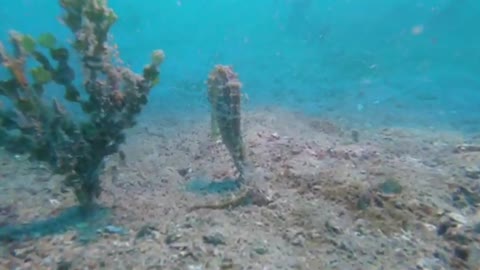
{"x": 361, "y": 64}
{"x": 340, "y": 59}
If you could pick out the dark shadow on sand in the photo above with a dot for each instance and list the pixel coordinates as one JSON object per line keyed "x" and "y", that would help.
{"x": 206, "y": 186}
{"x": 86, "y": 222}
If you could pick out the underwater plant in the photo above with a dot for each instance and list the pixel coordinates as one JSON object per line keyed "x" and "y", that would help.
{"x": 111, "y": 96}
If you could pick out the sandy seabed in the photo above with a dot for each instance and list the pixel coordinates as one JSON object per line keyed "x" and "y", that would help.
{"x": 391, "y": 198}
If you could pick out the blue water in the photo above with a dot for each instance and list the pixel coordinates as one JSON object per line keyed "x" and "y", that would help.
{"x": 373, "y": 63}
{"x": 353, "y": 60}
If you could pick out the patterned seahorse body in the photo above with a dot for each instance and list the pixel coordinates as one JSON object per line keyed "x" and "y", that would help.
{"x": 224, "y": 92}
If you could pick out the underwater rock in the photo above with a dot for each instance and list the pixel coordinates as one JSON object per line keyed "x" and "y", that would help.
{"x": 147, "y": 231}
{"x": 295, "y": 237}
{"x": 172, "y": 238}
{"x": 64, "y": 265}
{"x": 332, "y": 227}
{"x": 428, "y": 264}
{"x": 260, "y": 249}
{"x": 472, "y": 172}
{"x": 474, "y": 258}
{"x": 195, "y": 267}
{"x": 184, "y": 171}
{"x": 113, "y": 230}
{"x": 22, "y": 252}
{"x": 458, "y": 218}
{"x": 463, "y": 197}
{"x": 459, "y": 232}
{"x": 465, "y": 148}
{"x": 461, "y": 252}
{"x": 214, "y": 239}
{"x": 227, "y": 263}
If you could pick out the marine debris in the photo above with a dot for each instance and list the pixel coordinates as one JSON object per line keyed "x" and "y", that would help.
{"x": 110, "y": 97}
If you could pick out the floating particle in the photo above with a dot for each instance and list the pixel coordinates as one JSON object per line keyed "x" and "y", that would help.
{"x": 417, "y": 30}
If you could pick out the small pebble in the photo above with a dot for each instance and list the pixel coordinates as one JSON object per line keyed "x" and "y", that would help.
{"x": 214, "y": 239}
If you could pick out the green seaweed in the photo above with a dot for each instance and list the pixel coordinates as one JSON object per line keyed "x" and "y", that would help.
{"x": 28, "y": 43}
{"x": 390, "y": 187}
{"x": 60, "y": 54}
{"x": 25, "y": 105}
{"x": 41, "y": 75}
{"x": 71, "y": 93}
{"x": 44, "y": 128}
{"x": 47, "y": 40}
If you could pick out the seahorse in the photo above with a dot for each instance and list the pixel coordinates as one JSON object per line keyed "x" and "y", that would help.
{"x": 224, "y": 94}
